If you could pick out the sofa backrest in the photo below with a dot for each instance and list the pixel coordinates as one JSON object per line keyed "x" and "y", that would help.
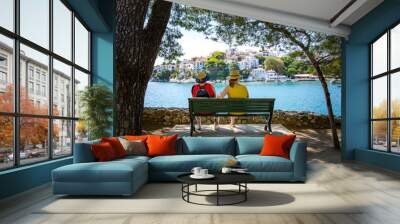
{"x": 83, "y": 152}
{"x": 191, "y": 146}
{"x": 249, "y": 145}
{"x": 206, "y": 145}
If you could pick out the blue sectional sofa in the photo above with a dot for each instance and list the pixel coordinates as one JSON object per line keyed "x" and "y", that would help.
{"x": 125, "y": 176}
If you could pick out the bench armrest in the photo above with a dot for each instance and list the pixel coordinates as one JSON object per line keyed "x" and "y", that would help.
{"x": 298, "y": 155}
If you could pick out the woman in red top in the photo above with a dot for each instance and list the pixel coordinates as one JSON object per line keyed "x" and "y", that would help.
{"x": 203, "y": 88}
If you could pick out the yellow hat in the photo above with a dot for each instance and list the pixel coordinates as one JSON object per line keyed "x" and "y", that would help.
{"x": 201, "y": 75}
{"x": 234, "y": 74}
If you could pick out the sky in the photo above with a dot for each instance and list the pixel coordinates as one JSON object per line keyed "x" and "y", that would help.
{"x": 35, "y": 27}
{"x": 195, "y": 44}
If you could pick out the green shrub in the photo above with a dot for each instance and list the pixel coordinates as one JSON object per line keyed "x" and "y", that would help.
{"x": 96, "y": 103}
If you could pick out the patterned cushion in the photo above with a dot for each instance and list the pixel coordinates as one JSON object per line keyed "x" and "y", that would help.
{"x": 136, "y": 147}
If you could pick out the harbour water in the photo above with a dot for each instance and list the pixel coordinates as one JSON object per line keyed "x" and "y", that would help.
{"x": 290, "y": 96}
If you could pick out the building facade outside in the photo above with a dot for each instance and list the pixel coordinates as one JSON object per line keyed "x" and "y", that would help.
{"x": 34, "y": 90}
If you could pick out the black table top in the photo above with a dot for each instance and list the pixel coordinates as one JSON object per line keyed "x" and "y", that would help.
{"x": 220, "y": 178}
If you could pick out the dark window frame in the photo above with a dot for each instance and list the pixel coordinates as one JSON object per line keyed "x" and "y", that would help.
{"x": 388, "y": 74}
{"x": 16, "y": 114}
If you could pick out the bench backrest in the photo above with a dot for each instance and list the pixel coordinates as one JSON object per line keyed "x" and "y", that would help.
{"x": 214, "y": 105}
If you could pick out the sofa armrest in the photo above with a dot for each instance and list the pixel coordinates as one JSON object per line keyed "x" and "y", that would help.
{"x": 83, "y": 152}
{"x": 298, "y": 155}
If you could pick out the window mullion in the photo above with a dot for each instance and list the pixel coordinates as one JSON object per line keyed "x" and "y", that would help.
{"x": 389, "y": 106}
{"x": 371, "y": 142}
{"x": 50, "y": 81}
{"x": 73, "y": 82}
{"x": 16, "y": 69}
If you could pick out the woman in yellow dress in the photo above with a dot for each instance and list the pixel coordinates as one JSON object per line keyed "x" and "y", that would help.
{"x": 234, "y": 90}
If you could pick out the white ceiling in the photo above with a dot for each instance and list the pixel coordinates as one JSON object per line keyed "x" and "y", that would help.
{"x": 313, "y": 15}
{"x": 321, "y": 9}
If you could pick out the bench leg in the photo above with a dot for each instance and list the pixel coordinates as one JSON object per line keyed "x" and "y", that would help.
{"x": 268, "y": 124}
{"x": 191, "y": 125}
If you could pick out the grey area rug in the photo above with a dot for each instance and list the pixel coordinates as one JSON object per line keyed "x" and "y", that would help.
{"x": 166, "y": 198}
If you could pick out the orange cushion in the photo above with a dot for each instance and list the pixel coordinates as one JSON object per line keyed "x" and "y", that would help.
{"x": 161, "y": 145}
{"x": 116, "y": 145}
{"x": 277, "y": 145}
{"x": 103, "y": 152}
{"x": 136, "y": 137}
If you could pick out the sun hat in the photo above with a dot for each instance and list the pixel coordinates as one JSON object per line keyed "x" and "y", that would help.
{"x": 202, "y": 77}
{"x": 234, "y": 74}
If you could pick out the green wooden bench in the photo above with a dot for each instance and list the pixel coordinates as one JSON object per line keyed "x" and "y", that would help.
{"x": 224, "y": 107}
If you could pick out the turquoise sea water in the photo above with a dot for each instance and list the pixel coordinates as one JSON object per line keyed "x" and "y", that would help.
{"x": 297, "y": 96}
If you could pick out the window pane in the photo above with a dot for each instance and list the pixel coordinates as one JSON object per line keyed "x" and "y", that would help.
{"x": 81, "y": 45}
{"x": 81, "y": 131}
{"x": 34, "y": 97}
{"x": 6, "y": 74}
{"x": 33, "y": 139}
{"x": 62, "y": 29}
{"x": 35, "y": 21}
{"x": 379, "y": 97}
{"x": 395, "y": 138}
{"x": 395, "y": 47}
{"x": 395, "y": 95}
{"x": 6, "y": 142}
{"x": 379, "y": 55}
{"x": 379, "y": 135}
{"x": 7, "y": 14}
{"x": 62, "y": 89}
{"x": 62, "y": 138}
{"x": 81, "y": 82}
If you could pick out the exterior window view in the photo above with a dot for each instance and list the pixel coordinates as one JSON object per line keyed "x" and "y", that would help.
{"x": 199, "y": 111}
{"x": 385, "y": 78}
{"x": 44, "y": 131}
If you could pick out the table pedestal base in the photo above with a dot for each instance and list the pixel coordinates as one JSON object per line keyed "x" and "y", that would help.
{"x": 219, "y": 194}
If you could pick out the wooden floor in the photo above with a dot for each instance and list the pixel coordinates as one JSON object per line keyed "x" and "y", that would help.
{"x": 379, "y": 190}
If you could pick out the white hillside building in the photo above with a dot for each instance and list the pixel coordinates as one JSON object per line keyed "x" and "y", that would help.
{"x": 260, "y": 74}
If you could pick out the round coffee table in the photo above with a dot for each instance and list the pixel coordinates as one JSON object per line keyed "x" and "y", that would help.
{"x": 238, "y": 179}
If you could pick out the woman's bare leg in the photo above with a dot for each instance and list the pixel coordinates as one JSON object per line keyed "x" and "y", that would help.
{"x": 233, "y": 119}
{"x": 198, "y": 120}
{"x": 216, "y": 123}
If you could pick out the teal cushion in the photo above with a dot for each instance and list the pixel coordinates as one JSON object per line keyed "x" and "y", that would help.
{"x": 207, "y": 145}
{"x": 112, "y": 171}
{"x": 249, "y": 145}
{"x": 185, "y": 163}
{"x": 257, "y": 163}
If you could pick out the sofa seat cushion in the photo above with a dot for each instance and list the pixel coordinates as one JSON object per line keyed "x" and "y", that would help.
{"x": 133, "y": 157}
{"x": 185, "y": 163}
{"x": 112, "y": 171}
{"x": 257, "y": 163}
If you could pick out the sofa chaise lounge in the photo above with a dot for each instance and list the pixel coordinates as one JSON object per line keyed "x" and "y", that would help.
{"x": 125, "y": 176}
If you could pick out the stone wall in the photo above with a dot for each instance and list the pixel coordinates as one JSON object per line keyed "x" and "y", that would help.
{"x": 172, "y": 116}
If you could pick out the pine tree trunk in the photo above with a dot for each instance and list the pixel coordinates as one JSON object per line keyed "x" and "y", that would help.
{"x": 136, "y": 45}
{"x": 316, "y": 65}
{"x": 328, "y": 101}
